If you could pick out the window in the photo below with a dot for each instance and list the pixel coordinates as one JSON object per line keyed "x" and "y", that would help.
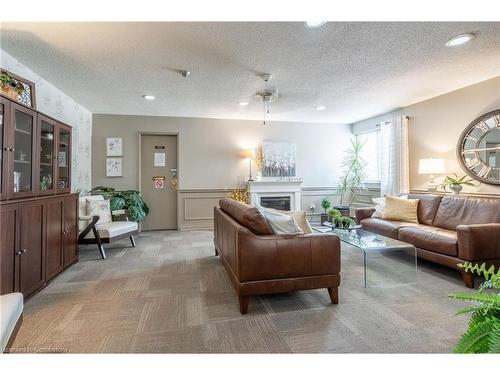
{"x": 370, "y": 153}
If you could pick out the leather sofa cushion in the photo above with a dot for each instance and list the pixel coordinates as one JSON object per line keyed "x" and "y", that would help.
{"x": 427, "y": 207}
{"x": 246, "y": 215}
{"x": 387, "y": 228}
{"x": 454, "y": 211}
{"x": 439, "y": 240}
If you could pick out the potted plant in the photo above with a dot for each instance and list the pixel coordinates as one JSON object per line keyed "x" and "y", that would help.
{"x": 130, "y": 200}
{"x": 333, "y": 214}
{"x": 325, "y": 204}
{"x": 483, "y": 332}
{"x": 9, "y": 86}
{"x": 455, "y": 183}
{"x": 352, "y": 180}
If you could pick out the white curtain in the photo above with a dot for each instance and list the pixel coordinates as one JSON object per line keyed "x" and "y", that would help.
{"x": 394, "y": 157}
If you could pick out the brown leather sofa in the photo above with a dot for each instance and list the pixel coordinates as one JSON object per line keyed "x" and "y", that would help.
{"x": 451, "y": 230}
{"x": 259, "y": 262}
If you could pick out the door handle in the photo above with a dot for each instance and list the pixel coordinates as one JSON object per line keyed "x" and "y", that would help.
{"x": 23, "y": 251}
{"x": 18, "y": 252}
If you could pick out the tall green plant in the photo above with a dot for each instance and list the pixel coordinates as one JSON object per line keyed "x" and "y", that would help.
{"x": 354, "y": 175}
{"x": 130, "y": 200}
{"x": 483, "y": 333}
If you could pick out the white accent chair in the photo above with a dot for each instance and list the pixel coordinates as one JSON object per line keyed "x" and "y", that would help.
{"x": 11, "y": 317}
{"x": 92, "y": 232}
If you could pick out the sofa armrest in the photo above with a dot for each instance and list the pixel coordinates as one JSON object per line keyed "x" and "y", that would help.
{"x": 478, "y": 242}
{"x": 363, "y": 213}
{"x": 278, "y": 257}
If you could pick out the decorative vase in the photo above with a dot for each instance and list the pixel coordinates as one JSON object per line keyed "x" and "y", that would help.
{"x": 455, "y": 189}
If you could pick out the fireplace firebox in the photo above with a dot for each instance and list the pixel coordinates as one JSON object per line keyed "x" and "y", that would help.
{"x": 278, "y": 203}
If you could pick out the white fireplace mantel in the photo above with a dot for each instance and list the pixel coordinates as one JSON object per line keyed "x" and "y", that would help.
{"x": 258, "y": 189}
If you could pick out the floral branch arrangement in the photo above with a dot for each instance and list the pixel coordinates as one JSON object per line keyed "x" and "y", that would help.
{"x": 239, "y": 193}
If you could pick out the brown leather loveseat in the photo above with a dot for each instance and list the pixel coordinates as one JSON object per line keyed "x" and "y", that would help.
{"x": 259, "y": 262}
{"x": 451, "y": 230}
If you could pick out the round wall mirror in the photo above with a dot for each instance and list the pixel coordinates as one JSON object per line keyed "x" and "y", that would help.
{"x": 478, "y": 149}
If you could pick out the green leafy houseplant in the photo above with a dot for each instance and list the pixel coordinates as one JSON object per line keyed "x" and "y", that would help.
{"x": 483, "y": 333}
{"x": 354, "y": 175}
{"x": 130, "y": 200}
{"x": 455, "y": 183}
{"x": 326, "y": 204}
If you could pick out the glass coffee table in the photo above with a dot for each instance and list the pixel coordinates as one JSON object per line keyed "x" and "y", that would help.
{"x": 370, "y": 243}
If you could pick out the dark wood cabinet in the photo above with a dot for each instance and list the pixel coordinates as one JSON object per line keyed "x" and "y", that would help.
{"x": 38, "y": 241}
{"x": 35, "y": 155}
{"x": 31, "y": 251}
{"x": 54, "y": 228}
{"x": 9, "y": 237}
{"x": 38, "y": 214}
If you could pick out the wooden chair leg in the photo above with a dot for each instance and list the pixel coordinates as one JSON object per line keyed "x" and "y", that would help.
{"x": 216, "y": 252}
{"x": 132, "y": 240}
{"x": 99, "y": 242}
{"x": 334, "y": 295}
{"x": 468, "y": 278}
{"x": 244, "y": 304}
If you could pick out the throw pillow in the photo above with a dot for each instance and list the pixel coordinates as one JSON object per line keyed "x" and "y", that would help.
{"x": 280, "y": 223}
{"x": 401, "y": 209}
{"x": 380, "y": 206}
{"x": 301, "y": 220}
{"x": 100, "y": 208}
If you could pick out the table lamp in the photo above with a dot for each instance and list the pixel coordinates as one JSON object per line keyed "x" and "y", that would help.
{"x": 431, "y": 167}
{"x": 250, "y": 155}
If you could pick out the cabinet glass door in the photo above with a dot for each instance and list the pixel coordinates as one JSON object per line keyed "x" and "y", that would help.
{"x": 63, "y": 160}
{"x": 47, "y": 157}
{"x": 4, "y": 144}
{"x": 23, "y": 152}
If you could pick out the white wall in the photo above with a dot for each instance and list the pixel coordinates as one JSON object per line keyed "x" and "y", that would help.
{"x": 436, "y": 124}
{"x": 55, "y": 103}
{"x": 209, "y": 156}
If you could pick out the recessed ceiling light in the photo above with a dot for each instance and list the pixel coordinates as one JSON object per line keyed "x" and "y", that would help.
{"x": 314, "y": 24}
{"x": 459, "y": 39}
{"x": 148, "y": 97}
{"x": 243, "y": 103}
{"x": 320, "y": 108}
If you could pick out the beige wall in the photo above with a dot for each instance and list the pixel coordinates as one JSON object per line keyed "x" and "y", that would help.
{"x": 209, "y": 157}
{"x": 436, "y": 124}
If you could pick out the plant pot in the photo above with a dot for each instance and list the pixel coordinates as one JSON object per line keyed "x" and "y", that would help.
{"x": 344, "y": 210}
{"x": 455, "y": 189}
{"x": 9, "y": 91}
{"x": 324, "y": 217}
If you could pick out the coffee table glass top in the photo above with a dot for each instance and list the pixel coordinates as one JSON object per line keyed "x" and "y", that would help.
{"x": 367, "y": 240}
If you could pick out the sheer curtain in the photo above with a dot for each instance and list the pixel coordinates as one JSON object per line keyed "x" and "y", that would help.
{"x": 394, "y": 157}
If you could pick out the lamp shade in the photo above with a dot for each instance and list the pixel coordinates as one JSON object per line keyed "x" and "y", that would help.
{"x": 248, "y": 154}
{"x": 431, "y": 166}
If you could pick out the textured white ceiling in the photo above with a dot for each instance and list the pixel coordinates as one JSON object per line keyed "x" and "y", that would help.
{"x": 356, "y": 70}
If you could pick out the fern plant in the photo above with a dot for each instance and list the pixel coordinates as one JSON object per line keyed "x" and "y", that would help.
{"x": 483, "y": 332}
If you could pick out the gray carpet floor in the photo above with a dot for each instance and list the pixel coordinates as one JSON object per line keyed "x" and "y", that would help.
{"x": 170, "y": 294}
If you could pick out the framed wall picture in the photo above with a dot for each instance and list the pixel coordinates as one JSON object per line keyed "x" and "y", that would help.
{"x": 114, "y": 167}
{"x": 114, "y": 146}
{"x": 278, "y": 159}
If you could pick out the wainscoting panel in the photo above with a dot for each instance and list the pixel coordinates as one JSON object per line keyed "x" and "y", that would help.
{"x": 196, "y": 208}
